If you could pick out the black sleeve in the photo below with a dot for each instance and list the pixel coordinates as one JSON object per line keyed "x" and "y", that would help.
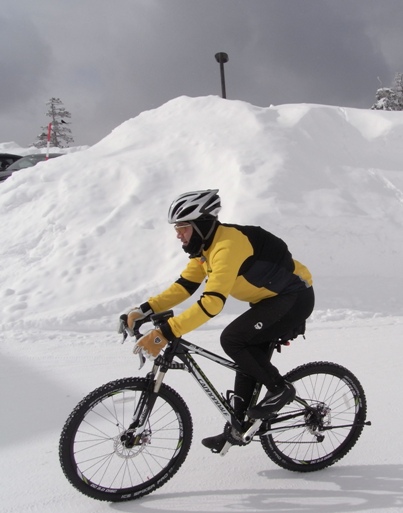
{"x": 189, "y": 286}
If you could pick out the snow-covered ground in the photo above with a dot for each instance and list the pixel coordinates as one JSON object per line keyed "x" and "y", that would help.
{"x": 85, "y": 236}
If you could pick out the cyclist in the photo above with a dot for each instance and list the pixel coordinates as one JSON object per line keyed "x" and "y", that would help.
{"x": 249, "y": 264}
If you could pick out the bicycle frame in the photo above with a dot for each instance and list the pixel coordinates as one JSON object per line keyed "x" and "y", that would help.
{"x": 183, "y": 351}
{"x": 128, "y": 437}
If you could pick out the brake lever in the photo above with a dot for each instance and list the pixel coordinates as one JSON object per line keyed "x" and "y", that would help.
{"x": 126, "y": 331}
{"x": 124, "y": 336}
{"x": 142, "y": 359}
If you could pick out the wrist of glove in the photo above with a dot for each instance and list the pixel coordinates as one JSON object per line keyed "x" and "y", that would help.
{"x": 151, "y": 344}
{"x": 128, "y": 319}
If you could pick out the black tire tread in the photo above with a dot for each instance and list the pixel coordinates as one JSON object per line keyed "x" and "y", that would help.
{"x": 304, "y": 370}
{"x": 85, "y": 404}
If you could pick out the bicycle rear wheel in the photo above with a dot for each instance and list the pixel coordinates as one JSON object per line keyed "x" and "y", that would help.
{"x": 92, "y": 452}
{"x": 313, "y": 437}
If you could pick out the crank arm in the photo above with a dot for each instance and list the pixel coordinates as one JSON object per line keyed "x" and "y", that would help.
{"x": 249, "y": 434}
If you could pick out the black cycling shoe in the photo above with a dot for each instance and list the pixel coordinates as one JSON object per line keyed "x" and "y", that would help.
{"x": 272, "y": 402}
{"x": 216, "y": 443}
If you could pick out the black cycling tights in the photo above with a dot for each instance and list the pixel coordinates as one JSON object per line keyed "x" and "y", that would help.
{"x": 247, "y": 339}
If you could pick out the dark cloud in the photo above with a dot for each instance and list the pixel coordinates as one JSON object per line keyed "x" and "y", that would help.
{"x": 108, "y": 61}
{"x": 25, "y": 62}
{"x": 305, "y": 51}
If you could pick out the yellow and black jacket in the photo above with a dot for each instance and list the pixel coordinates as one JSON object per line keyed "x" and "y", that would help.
{"x": 245, "y": 262}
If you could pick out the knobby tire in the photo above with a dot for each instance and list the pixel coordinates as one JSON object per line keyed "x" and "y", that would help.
{"x": 336, "y": 399}
{"x": 92, "y": 454}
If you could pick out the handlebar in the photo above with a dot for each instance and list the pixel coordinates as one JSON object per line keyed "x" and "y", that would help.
{"x": 157, "y": 319}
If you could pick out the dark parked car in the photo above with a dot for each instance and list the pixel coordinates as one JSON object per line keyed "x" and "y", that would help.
{"x": 6, "y": 159}
{"x": 24, "y": 162}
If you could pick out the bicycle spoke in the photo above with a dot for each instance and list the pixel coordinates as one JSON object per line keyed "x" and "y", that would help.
{"x": 333, "y": 418}
{"x": 97, "y": 453}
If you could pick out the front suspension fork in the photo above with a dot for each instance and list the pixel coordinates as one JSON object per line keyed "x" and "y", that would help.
{"x": 133, "y": 435}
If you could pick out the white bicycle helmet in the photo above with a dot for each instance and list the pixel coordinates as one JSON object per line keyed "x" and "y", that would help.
{"x": 194, "y": 205}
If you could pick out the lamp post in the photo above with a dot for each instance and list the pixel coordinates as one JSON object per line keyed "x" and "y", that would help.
{"x": 222, "y": 58}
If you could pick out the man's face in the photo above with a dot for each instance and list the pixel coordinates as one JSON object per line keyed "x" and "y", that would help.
{"x": 184, "y": 232}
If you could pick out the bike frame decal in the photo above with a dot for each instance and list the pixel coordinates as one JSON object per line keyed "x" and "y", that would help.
{"x": 207, "y": 387}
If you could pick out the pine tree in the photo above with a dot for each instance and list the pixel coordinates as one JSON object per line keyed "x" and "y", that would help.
{"x": 60, "y": 135}
{"x": 385, "y": 99}
{"x": 390, "y": 98}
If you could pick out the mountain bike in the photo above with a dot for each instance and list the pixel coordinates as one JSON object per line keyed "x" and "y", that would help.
{"x": 130, "y": 436}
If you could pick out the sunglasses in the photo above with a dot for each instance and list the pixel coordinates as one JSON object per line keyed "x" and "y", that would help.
{"x": 181, "y": 228}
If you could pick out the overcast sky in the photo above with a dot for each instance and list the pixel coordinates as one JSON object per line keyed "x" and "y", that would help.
{"x": 109, "y": 60}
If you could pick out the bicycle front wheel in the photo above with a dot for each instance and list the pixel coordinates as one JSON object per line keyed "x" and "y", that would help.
{"x": 321, "y": 429}
{"x": 92, "y": 451}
